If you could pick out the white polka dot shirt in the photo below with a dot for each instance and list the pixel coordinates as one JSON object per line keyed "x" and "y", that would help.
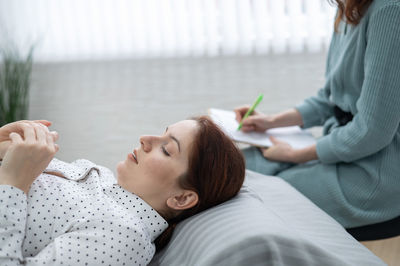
{"x": 83, "y": 219}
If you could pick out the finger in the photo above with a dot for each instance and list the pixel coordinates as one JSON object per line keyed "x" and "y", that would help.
{"x": 55, "y": 135}
{"x": 238, "y": 116}
{"x": 276, "y": 141}
{"x": 29, "y": 132}
{"x": 43, "y": 122}
{"x": 43, "y": 126}
{"x": 269, "y": 154}
{"x": 15, "y": 138}
{"x": 249, "y": 121}
{"x": 248, "y": 128}
{"x": 50, "y": 140}
{"x": 45, "y": 130}
{"x": 249, "y": 124}
{"x": 264, "y": 151}
{"x": 34, "y": 124}
{"x": 240, "y": 111}
{"x": 41, "y": 134}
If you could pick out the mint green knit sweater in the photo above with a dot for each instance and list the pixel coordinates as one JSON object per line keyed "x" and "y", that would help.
{"x": 357, "y": 178}
{"x": 363, "y": 77}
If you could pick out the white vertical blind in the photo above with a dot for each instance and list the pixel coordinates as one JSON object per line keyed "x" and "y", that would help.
{"x": 245, "y": 26}
{"x": 297, "y": 25}
{"x": 110, "y": 29}
{"x": 279, "y": 24}
{"x": 263, "y": 27}
{"x": 228, "y": 24}
{"x": 182, "y": 24}
{"x": 212, "y": 36}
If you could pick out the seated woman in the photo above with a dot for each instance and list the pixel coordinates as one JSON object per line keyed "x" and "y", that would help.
{"x": 353, "y": 170}
{"x": 59, "y": 213}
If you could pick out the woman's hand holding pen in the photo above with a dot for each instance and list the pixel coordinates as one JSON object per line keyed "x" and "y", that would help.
{"x": 260, "y": 122}
{"x": 280, "y": 150}
{"x": 28, "y": 154}
{"x": 255, "y": 122}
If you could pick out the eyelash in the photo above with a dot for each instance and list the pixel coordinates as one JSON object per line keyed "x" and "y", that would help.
{"x": 165, "y": 151}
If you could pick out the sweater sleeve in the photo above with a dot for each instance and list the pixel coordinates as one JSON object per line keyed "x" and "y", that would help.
{"x": 378, "y": 117}
{"x": 316, "y": 109}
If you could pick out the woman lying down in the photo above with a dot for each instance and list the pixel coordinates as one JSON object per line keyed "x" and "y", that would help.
{"x": 57, "y": 213}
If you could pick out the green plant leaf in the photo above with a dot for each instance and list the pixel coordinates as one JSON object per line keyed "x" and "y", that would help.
{"x": 15, "y": 73}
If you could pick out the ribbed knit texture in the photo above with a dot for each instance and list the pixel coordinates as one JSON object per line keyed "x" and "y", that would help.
{"x": 357, "y": 180}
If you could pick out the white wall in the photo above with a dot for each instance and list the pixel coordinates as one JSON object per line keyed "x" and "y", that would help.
{"x": 69, "y": 30}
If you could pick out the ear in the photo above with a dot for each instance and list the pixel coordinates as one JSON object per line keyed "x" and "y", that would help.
{"x": 183, "y": 201}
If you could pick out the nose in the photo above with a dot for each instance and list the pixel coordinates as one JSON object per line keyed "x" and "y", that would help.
{"x": 147, "y": 142}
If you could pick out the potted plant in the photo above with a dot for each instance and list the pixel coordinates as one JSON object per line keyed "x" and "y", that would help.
{"x": 15, "y": 74}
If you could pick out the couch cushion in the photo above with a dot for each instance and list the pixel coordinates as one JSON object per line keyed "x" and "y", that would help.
{"x": 269, "y": 222}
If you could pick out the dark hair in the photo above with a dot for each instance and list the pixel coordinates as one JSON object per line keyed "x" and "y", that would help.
{"x": 351, "y": 10}
{"x": 216, "y": 172}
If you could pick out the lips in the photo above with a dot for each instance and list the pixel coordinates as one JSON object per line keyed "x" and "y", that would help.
{"x": 134, "y": 155}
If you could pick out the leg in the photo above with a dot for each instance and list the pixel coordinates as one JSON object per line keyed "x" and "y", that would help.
{"x": 338, "y": 189}
{"x": 256, "y": 162}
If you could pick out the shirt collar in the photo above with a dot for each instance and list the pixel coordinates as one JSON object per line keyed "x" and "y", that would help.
{"x": 154, "y": 222}
{"x": 74, "y": 171}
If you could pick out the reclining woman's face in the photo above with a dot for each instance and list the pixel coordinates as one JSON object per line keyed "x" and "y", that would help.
{"x": 152, "y": 170}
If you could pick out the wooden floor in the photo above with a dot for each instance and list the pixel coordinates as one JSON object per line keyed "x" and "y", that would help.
{"x": 388, "y": 250}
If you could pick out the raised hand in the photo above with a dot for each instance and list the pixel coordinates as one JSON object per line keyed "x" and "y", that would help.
{"x": 27, "y": 155}
{"x": 7, "y": 129}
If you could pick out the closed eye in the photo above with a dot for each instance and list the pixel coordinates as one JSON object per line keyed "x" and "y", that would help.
{"x": 165, "y": 151}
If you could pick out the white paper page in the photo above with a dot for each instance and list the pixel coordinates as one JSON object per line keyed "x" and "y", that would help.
{"x": 294, "y": 135}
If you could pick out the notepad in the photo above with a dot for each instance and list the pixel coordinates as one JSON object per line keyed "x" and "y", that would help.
{"x": 294, "y": 135}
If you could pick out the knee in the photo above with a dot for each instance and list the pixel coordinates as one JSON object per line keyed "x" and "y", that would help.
{"x": 253, "y": 157}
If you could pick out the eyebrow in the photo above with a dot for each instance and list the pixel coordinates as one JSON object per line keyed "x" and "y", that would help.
{"x": 177, "y": 142}
{"x": 175, "y": 139}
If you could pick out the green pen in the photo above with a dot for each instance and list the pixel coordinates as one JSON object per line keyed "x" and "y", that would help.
{"x": 251, "y": 110}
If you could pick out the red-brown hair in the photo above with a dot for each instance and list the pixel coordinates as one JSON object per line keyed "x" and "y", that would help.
{"x": 350, "y": 10}
{"x": 216, "y": 172}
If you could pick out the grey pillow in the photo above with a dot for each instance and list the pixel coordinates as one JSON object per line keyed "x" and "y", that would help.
{"x": 268, "y": 223}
